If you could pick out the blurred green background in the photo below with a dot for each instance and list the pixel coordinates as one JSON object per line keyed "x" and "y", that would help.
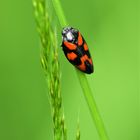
{"x": 111, "y": 30}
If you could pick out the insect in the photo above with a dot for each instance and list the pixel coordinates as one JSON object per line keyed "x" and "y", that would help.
{"x": 76, "y": 50}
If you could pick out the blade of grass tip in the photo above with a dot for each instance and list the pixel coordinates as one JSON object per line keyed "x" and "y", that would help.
{"x": 83, "y": 82}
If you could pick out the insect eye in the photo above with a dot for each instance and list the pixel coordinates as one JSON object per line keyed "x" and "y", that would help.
{"x": 63, "y": 32}
{"x": 76, "y": 31}
{"x": 69, "y": 28}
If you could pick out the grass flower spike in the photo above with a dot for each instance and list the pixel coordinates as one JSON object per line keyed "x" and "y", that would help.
{"x": 50, "y": 64}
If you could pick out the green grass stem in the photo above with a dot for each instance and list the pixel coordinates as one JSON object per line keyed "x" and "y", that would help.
{"x": 83, "y": 82}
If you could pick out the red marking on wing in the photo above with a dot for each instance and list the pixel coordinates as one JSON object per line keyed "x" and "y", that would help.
{"x": 70, "y": 45}
{"x": 82, "y": 66}
{"x": 83, "y": 59}
{"x": 71, "y": 56}
{"x": 80, "y": 39}
{"x": 90, "y": 60}
{"x": 85, "y": 47}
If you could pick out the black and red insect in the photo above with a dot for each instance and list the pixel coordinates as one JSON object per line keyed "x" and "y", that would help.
{"x": 76, "y": 50}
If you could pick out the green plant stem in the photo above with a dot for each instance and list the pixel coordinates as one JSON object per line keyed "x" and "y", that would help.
{"x": 59, "y": 13}
{"x": 92, "y": 105}
{"x": 83, "y": 82}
